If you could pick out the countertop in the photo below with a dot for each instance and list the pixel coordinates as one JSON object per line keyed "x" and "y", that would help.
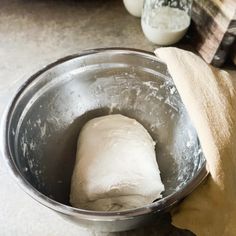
{"x": 33, "y": 34}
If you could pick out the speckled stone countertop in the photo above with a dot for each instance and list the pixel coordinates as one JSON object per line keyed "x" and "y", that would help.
{"x": 34, "y": 33}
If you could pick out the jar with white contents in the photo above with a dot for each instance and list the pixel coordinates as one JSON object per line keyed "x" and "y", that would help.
{"x": 165, "y": 22}
{"x": 134, "y": 7}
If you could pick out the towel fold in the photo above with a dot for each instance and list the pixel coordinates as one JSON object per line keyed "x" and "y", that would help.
{"x": 210, "y": 99}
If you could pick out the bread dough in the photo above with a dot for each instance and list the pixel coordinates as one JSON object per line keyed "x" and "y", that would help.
{"x": 115, "y": 167}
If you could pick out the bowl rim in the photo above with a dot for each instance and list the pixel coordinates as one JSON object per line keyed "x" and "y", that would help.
{"x": 158, "y": 206}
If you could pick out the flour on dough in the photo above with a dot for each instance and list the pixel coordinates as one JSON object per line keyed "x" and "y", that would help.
{"x": 115, "y": 167}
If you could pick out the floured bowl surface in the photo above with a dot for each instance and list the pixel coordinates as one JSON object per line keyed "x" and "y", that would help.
{"x": 44, "y": 120}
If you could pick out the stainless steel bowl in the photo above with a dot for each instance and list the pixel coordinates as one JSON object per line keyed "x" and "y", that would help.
{"x": 41, "y": 127}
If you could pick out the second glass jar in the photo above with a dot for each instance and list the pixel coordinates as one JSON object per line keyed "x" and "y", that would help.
{"x": 165, "y": 22}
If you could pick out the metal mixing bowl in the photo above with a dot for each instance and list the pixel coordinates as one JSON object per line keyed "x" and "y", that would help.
{"x": 42, "y": 124}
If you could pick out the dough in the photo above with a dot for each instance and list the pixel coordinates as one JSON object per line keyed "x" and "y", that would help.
{"x": 115, "y": 167}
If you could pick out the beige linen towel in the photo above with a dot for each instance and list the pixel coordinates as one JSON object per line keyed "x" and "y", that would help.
{"x": 210, "y": 100}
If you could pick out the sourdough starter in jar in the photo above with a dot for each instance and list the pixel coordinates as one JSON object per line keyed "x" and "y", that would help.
{"x": 164, "y": 25}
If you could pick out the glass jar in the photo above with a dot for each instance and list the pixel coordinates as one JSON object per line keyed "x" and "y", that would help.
{"x": 165, "y": 22}
{"x": 134, "y": 7}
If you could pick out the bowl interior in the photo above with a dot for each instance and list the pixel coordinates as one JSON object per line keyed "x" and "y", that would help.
{"x": 51, "y": 109}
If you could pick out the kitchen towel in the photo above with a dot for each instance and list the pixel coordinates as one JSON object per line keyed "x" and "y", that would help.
{"x": 210, "y": 99}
